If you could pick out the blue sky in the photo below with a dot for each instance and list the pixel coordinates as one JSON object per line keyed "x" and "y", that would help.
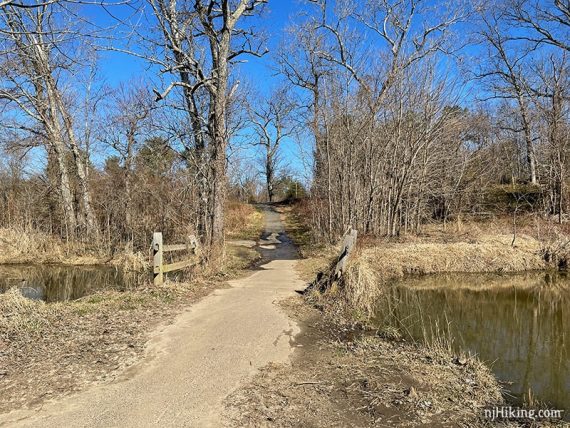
{"x": 118, "y": 67}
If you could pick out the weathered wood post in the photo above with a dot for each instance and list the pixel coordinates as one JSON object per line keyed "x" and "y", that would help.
{"x": 157, "y": 258}
{"x": 192, "y": 243}
{"x": 348, "y": 245}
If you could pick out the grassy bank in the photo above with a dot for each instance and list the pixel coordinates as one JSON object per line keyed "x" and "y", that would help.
{"x": 471, "y": 247}
{"x": 346, "y": 373}
{"x": 22, "y": 246}
{"x": 339, "y": 377}
{"x": 372, "y": 268}
{"x": 29, "y": 246}
{"x": 51, "y": 350}
{"x": 25, "y": 246}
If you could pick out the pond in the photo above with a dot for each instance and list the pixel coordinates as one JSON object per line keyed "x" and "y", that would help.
{"x": 56, "y": 283}
{"x": 518, "y": 324}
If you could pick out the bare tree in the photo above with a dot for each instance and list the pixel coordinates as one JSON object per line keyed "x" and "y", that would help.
{"x": 505, "y": 71}
{"x": 300, "y": 62}
{"x": 24, "y": 5}
{"x": 397, "y": 27}
{"x": 272, "y": 121}
{"x": 38, "y": 53}
{"x": 129, "y": 122}
{"x": 552, "y": 98}
{"x": 547, "y": 22}
{"x": 202, "y": 41}
{"x": 353, "y": 87}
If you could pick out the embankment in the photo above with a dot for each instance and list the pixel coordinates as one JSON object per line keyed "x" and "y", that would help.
{"x": 48, "y": 350}
{"x": 372, "y": 268}
{"x": 348, "y": 372}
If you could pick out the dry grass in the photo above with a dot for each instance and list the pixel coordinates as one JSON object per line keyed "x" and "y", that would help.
{"x": 372, "y": 268}
{"x": 474, "y": 246}
{"x": 533, "y": 225}
{"x": 339, "y": 378}
{"x": 22, "y": 317}
{"x": 131, "y": 262}
{"x": 19, "y": 246}
{"x": 243, "y": 221}
{"x": 485, "y": 254}
{"x": 22, "y": 246}
{"x": 49, "y": 350}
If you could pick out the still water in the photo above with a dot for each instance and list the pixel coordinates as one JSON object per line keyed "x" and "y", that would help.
{"x": 519, "y": 324}
{"x": 56, "y": 283}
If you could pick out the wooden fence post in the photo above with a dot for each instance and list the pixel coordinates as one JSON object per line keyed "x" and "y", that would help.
{"x": 348, "y": 245}
{"x": 192, "y": 243}
{"x": 157, "y": 258}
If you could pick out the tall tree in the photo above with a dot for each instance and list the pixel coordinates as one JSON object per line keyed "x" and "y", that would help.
{"x": 39, "y": 53}
{"x": 552, "y": 98}
{"x": 504, "y": 70}
{"x": 129, "y": 122}
{"x": 202, "y": 40}
{"x": 272, "y": 122}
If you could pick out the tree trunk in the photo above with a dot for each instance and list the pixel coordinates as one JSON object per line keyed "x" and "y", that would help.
{"x": 530, "y": 155}
{"x": 64, "y": 187}
{"x": 80, "y": 170}
{"x": 269, "y": 174}
{"x": 128, "y": 191}
{"x": 59, "y": 150}
{"x": 219, "y": 148}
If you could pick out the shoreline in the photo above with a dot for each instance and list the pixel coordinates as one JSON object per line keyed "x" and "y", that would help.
{"x": 349, "y": 374}
{"x": 339, "y": 376}
{"x": 347, "y": 304}
{"x": 337, "y": 363}
{"x": 51, "y": 350}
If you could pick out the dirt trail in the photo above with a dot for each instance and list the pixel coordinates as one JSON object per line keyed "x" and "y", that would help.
{"x": 193, "y": 364}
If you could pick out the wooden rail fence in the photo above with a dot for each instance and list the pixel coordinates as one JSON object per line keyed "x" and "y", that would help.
{"x": 159, "y": 248}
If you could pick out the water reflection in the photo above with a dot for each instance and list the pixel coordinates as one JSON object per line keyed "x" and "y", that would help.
{"x": 61, "y": 283}
{"x": 518, "y": 323}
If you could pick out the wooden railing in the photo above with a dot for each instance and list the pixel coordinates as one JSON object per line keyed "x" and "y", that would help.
{"x": 159, "y": 248}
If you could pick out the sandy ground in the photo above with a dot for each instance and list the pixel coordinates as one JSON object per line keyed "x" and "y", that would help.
{"x": 190, "y": 366}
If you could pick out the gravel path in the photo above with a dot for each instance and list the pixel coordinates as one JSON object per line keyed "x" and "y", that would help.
{"x": 191, "y": 365}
